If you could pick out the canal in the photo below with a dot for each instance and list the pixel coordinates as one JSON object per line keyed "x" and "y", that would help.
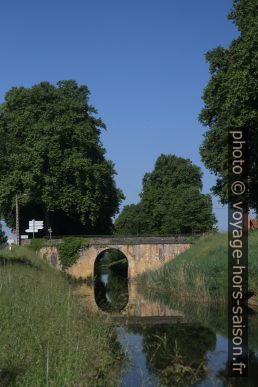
{"x": 167, "y": 341}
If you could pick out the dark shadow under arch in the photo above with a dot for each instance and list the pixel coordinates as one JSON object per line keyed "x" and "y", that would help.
{"x": 111, "y": 280}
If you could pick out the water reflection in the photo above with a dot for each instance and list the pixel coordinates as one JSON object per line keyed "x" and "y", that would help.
{"x": 136, "y": 372}
{"x": 169, "y": 341}
{"x": 214, "y": 318}
{"x": 177, "y": 354}
{"x": 111, "y": 292}
{"x": 110, "y": 281}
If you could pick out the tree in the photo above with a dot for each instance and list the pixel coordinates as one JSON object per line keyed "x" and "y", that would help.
{"x": 3, "y": 237}
{"x": 51, "y": 151}
{"x": 171, "y": 201}
{"x": 230, "y": 99}
{"x": 130, "y": 221}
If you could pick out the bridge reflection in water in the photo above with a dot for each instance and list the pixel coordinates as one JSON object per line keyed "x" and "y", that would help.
{"x": 136, "y": 307}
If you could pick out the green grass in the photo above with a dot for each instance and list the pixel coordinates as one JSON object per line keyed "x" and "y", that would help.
{"x": 37, "y": 243}
{"x": 200, "y": 273}
{"x": 47, "y": 338}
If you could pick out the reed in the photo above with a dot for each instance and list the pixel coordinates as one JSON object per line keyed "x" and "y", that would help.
{"x": 201, "y": 273}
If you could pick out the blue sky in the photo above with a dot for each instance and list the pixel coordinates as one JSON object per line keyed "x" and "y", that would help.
{"x": 143, "y": 61}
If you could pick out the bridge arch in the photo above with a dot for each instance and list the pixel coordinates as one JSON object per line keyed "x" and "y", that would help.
{"x": 112, "y": 256}
{"x": 123, "y": 249}
{"x": 111, "y": 280}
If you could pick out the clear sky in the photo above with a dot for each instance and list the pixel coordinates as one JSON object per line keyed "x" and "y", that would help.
{"x": 143, "y": 61}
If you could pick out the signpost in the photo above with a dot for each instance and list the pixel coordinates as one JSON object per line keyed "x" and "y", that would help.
{"x": 50, "y": 233}
{"x": 35, "y": 226}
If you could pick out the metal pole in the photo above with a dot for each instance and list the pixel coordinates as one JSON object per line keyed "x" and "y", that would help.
{"x": 17, "y": 222}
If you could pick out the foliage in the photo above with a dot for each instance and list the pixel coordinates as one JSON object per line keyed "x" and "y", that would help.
{"x": 3, "y": 237}
{"x": 171, "y": 201}
{"x": 47, "y": 337}
{"x": 230, "y": 99}
{"x": 130, "y": 220}
{"x": 69, "y": 250}
{"x": 51, "y": 151}
{"x": 37, "y": 243}
{"x": 116, "y": 262}
{"x": 111, "y": 261}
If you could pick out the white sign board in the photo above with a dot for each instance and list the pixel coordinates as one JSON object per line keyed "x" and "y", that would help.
{"x": 24, "y": 236}
{"x": 35, "y": 225}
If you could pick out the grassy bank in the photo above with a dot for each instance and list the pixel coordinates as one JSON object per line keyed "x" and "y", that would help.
{"x": 200, "y": 273}
{"x": 46, "y": 337}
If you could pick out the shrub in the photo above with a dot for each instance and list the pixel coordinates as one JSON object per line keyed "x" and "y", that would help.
{"x": 37, "y": 243}
{"x": 69, "y": 250}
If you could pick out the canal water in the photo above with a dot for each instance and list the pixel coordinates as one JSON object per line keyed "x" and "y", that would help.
{"x": 169, "y": 342}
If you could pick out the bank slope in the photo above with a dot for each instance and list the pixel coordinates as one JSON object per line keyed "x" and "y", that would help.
{"x": 201, "y": 271}
{"x": 46, "y": 337}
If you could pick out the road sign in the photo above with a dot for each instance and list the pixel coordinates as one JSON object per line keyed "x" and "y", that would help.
{"x": 24, "y": 236}
{"x": 35, "y": 225}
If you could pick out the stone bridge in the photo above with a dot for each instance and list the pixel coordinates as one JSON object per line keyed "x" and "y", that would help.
{"x": 142, "y": 253}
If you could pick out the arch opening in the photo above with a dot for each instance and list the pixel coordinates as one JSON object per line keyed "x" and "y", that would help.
{"x": 111, "y": 280}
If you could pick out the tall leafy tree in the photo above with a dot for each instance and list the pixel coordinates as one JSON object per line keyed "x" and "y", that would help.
{"x": 171, "y": 201}
{"x": 52, "y": 157}
{"x": 230, "y": 99}
{"x": 130, "y": 221}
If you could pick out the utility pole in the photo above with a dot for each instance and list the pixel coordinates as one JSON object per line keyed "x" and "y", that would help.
{"x": 17, "y": 222}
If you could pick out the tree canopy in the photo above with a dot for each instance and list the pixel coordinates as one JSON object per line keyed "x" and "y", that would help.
{"x": 171, "y": 201}
{"x": 52, "y": 157}
{"x": 230, "y": 99}
{"x": 130, "y": 220}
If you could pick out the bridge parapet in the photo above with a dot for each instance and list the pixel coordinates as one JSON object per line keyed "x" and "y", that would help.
{"x": 141, "y": 240}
